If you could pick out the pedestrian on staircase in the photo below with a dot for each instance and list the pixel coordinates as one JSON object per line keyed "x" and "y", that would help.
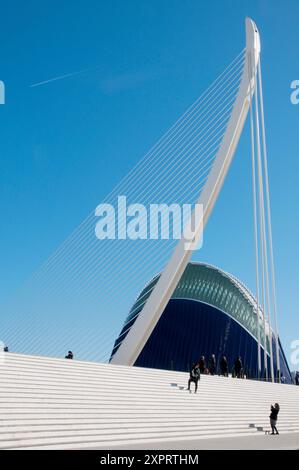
{"x": 194, "y": 376}
{"x": 238, "y": 367}
{"x": 212, "y": 364}
{"x": 224, "y": 366}
{"x": 273, "y": 418}
{"x": 202, "y": 364}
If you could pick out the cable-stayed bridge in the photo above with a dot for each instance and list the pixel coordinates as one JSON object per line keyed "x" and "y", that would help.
{"x": 100, "y": 280}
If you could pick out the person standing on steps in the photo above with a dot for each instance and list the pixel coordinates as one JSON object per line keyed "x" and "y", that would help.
{"x": 224, "y": 366}
{"x": 238, "y": 367}
{"x": 202, "y": 364}
{"x": 212, "y": 364}
{"x": 194, "y": 377}
{"x": 273, "y": 418}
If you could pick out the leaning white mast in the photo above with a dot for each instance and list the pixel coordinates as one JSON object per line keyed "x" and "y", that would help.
{"x": 136, "y": 338}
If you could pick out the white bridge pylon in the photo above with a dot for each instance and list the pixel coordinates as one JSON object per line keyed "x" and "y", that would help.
{"x": 136, "y": 338}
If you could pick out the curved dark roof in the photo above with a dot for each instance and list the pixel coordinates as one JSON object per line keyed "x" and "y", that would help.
{"x": 212, "y": 286}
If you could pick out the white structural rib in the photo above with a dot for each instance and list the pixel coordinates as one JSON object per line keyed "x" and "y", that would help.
{"x": 136, "y": 338}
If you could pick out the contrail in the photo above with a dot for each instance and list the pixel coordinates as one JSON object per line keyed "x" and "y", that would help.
{"x": 67, "y": 75}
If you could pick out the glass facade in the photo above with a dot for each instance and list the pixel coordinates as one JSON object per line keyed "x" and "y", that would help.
{"x": 210, "y": 312}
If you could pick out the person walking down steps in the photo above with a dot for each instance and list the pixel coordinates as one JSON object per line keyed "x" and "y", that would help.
{"x": 194, "y": 377}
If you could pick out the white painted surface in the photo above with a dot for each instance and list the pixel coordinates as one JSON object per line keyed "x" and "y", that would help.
{"x": 58, "y": 403}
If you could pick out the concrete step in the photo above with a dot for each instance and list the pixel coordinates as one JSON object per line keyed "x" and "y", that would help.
{"x": 111, "y": 439}
{"x": 57, "y": 403}
{"x": 145, "y": 442}
{"x": 108, "y": 426}
{"x": 128, "y": 420}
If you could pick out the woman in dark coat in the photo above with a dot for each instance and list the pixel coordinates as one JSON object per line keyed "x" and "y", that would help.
{"x": 273, "y": 418}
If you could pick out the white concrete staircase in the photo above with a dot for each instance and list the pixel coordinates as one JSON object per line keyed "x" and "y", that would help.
{"x": 63, "y": 404}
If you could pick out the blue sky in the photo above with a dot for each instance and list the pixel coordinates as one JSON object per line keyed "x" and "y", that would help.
{"x": 64, "y": 145}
